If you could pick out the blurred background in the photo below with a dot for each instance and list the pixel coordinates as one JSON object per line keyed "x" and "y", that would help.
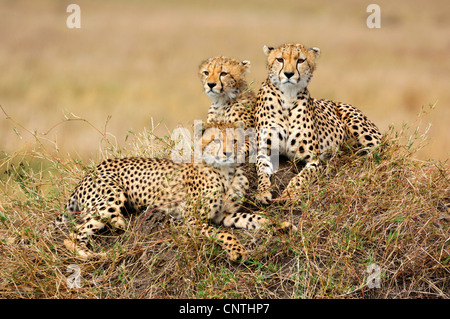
{"x": 134, "y": 62}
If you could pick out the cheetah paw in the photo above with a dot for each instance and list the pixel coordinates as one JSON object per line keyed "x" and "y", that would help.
{"x": 83, "y": 254}
{"x": 288, "y": 196}
{"x": 286, "y": 227}
{"x": 238, "y": 256}
{"x": 264, "y": 197}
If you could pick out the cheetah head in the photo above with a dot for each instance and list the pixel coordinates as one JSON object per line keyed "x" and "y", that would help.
{"x": 291, "y": 66}
{"x": 223, "y": 144}
{"x": 223, "y": 78}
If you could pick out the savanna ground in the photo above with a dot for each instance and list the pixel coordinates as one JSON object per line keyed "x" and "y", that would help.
{"x": 121, "y": 83}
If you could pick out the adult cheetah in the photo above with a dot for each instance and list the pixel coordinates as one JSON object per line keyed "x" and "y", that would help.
{"x": 297, "y": 125}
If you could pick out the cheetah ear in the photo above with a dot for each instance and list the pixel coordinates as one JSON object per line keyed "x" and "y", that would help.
{"x": 246, "y": 65}
{"x": 202, "y": 64}
{"x": 267, "y": 50}
{"x": 315, "y": 51}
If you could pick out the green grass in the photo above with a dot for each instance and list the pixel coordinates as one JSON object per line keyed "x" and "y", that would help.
{"x": 387, "y": 209}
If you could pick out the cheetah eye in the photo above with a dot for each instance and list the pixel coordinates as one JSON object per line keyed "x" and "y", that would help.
{"x": 300, "y": 61}
{"x": 206, "y": 73}
{"x": 223, "y": 73}
{"x": 216, "y": 140}
{"x": 281, "y": 60}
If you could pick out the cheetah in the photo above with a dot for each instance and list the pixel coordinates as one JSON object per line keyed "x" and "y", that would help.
{"x": 194, "y": 192}
{"x": 224, "y": 82}
{"x": 299, "y": 126}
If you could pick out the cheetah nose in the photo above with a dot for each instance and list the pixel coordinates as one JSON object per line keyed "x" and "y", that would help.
{"x": 211, "y": 85}
{"x": 288, "y": 74}
{"x": 228, "y": 154}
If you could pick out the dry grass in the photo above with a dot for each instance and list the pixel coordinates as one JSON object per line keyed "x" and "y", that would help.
{"x": 130, "y": 74}
{"x": 137, "y": 60}
{"x": 387, "y": 209}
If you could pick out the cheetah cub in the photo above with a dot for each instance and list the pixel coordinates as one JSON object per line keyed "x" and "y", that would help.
{"x": 194, "y": 192}
{"x": 299, "y": 126}
{"x": 224, "y": 82}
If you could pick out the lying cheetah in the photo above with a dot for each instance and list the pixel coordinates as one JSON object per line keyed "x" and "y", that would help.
{"x": 224, "y": 82}
{"x": 117, "y": 187}
{"x": 301, "y": 127}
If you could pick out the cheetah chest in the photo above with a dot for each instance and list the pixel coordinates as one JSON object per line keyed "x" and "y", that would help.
{"x": 307, "y": 127}
{"x": 295, "y": 127}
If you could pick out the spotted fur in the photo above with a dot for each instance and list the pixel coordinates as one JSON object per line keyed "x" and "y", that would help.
{"x": 224, "y": 82}
{"x": 298, "y": 125}
{"x": 197, "y": 193}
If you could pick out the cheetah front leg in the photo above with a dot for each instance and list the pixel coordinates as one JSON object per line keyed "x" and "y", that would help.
{"x": 264, "y": 166}
{"x": 249, "y": 221}
{"x": 239, "y": 184}
{"x": 80, "y": 249}
{"x": 78, "y": 241}
{"x": 264, "y": 169}
{"x": 254, "y": 221}
{"x": 227, "y": 241}
{"x": 236, "y": 191}
{"x": 210, "y": 208}
{"x": 229, "y": 216}
{"x": 108, "y": 211}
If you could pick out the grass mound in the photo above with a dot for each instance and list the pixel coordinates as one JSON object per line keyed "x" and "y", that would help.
{"x": 371, "y": 226}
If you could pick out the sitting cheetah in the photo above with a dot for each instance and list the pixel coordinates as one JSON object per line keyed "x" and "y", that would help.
{"x": 301, "y": 127}
{"x": 224, "y": 82}
{"x": 117, "y": 187}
